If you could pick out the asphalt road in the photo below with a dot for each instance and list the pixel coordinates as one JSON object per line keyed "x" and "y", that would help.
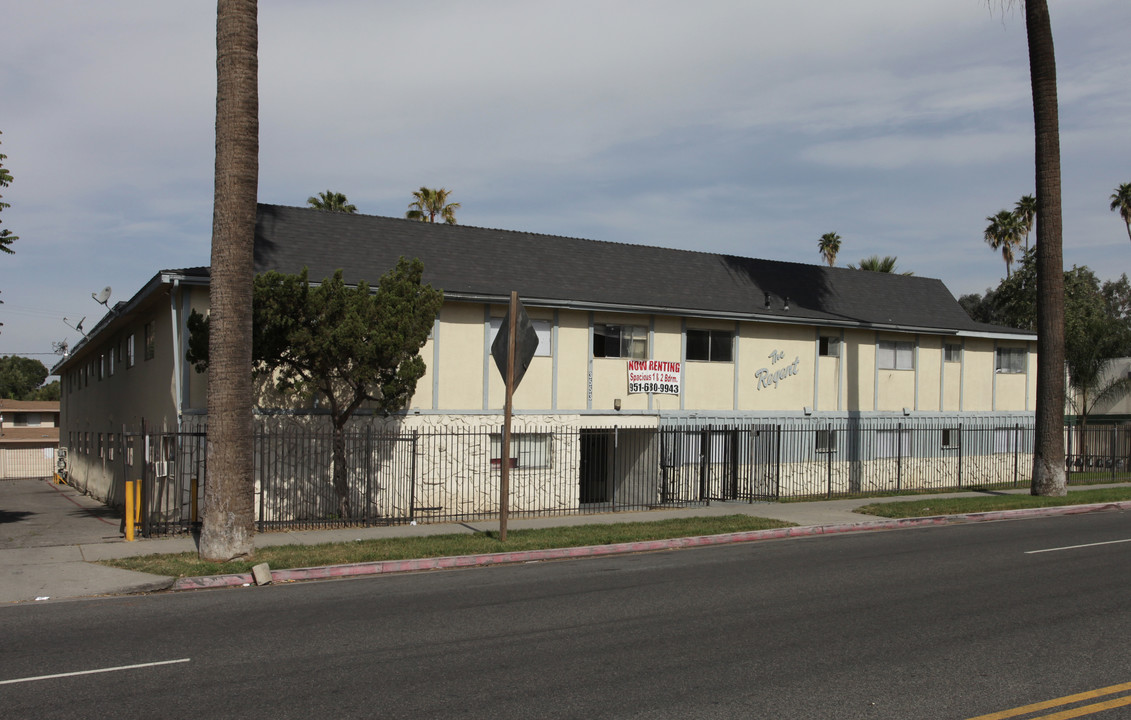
{"x": 949, "y": 622}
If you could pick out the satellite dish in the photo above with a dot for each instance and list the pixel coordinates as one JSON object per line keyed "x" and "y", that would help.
{"x": 77, "y": 326}
{"x": 103, "y": 296}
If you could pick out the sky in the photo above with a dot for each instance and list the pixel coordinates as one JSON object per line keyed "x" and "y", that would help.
{"x": 744, "y": 127}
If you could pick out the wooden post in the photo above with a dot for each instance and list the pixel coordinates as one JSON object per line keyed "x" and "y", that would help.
{"x": 504, "y": 481}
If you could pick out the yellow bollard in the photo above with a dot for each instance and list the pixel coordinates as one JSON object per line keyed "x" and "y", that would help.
{"x": 129, "y": 511}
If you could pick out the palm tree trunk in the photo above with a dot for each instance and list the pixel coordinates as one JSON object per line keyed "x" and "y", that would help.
{"x": 228, "y": 530}
{"x": 1048, "y": 451}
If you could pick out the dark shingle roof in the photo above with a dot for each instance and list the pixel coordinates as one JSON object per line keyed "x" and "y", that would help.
{"x": 482, "y": 263}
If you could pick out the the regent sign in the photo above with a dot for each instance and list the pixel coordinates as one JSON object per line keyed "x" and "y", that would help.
{"x": 653, "y": 376}
{"x": 768, "y": 377}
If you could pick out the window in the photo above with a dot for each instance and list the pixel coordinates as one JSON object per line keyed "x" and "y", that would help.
{"x": 150, "y": 341}
{"x": 101, "y": 453}
{"x": 950, "y": 438}
{"x": 826, "y": 441}
{"x": 895, "y": 355}
{"x": 101, "y": 366}
{"x": 1010, "y": 360}
{"x": 528, "y": 450}
{"x": 828, "y": 346}
{"x": 110, "y": 447}
{"x": 110, "y": 361}
{"x": 952, "y": 353}
{"x": 620, "y": 341}
{"x": 130, "y": 350}
{"x": 893, "y": 443}
{"x": 541, "y": 327}
{"x": 710, "y": 345}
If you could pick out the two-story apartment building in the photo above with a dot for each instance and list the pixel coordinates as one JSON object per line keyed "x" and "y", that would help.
{"x": 628, "y": 335}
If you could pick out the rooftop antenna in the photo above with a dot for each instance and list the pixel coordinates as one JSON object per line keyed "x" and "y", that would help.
{"x": 102, "y": 297}
{"x": 77, "y": 326}
{"x": 60, "y": 348}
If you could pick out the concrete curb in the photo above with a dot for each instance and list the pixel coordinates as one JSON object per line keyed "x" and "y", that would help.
{"x": 385, "y": 567}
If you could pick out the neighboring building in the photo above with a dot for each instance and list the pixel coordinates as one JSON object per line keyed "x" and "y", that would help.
{"x": 29, "y": 438}
{"x": 732, "y": 341}
{"x": 1115, "y": 411}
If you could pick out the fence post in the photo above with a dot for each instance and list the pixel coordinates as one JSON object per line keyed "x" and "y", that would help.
{"x": 899, "y": 456}
{"x": 829, "y": 444}
{"x": 1068, "y": 454}
{"x": 777, "y": 466}
{"x": 1111, "y": 452}
{"x": 1016, "y": 450}
{"x": 412, "y": 475}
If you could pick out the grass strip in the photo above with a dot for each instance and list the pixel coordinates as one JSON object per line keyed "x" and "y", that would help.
{"x": 295, "y": 556}
{"x": 990, "y": 503}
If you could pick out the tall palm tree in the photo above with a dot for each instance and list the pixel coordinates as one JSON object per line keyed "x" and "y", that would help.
{"x": 1048, "y": 440}
{"x": 1004, "y": 233}
{"x": 331, "y": 201}
{"x": 829, "y": 246}
{"x": 228, "y": 530}
{"x": 1026, "y": 212}
{"x": 429, "y": 203}
{"x": 1120, "y": 200}
{"x": 875, "y": 263}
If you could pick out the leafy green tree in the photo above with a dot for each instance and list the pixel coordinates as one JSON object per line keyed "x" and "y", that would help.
{"x": 829, "y": 246}
{"x": 229, "y": 491}
{"x": 347, "y": 346}
{"x": 20, "y": 377}
{"x": 6, "y": 236}
{"x": 428, "y": 204}
{"x": 1004, "y": 233}
{"x": 49, "y": 392}
{"x": 1026, "y": 212}
{"x": 875, "y": 263}
{"x": 1120, "y": 200}
{"x": 332, "y": 202}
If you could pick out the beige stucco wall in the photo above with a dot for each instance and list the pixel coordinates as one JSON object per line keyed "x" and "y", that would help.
{"x": 978, "y": 375}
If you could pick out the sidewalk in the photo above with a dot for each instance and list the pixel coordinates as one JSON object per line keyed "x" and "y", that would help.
{"x": 51, "y": 534}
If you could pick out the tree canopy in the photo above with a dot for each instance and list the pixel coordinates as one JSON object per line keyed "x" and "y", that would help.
{"x": 331, "y": 202}
{"x": 1120, "y": 201}
{"x": 428, "y": 204}
{"x": 829, "y": 246}
{"x": 875, "y": 263}
{"x": 339, "y": 344}
{"x": 21, "y": 378}
{"x": 6, "y": 236}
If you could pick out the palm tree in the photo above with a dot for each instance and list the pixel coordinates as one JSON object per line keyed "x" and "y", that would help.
{"x": 1026, "y": 212}
{"x": 1004, "y": 233}
{"x": 829, "y": 246}
{"x": 332, "y": 202}
{"x": 229, "y": 529}
{"x": 6, "y": 236}
{"x": 1120, "y": 200}
{"x": 1048, "y": 437}
{"x": 875, "y": 263}
{"x": 429, "y": 203}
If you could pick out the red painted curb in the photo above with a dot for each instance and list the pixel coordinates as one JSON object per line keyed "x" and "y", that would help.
{"x": 385, "y": 567}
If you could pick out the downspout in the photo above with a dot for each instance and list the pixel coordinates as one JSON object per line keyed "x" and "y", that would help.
{"x": 177, "y": 359}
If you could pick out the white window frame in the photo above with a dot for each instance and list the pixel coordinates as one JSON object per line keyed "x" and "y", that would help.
{"x": 1010, "y": 360}
{"x": 895, "y": 355}
{"x": 712, "y": 340}
{"x": 543, "y": 328}
{"x": 528, "y": 450}
{"x": 829, "y": 346}
{"x": 952, "y": 352}
{"x": 634, "y": 338}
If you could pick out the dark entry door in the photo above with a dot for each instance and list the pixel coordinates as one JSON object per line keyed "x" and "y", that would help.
{"x": 594, "y": 471}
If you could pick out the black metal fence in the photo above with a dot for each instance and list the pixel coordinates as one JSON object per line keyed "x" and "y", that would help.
{"x": 446, "y": 475}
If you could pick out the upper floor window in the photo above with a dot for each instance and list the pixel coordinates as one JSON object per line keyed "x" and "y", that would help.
{"x": 543, "y": 328}
{"x": 952, "y": 353}
{"x": 150, "y": 341}
{"x": 620, "y": 341}
{"x": 892, "y": 355}
{"x": 828, "y": 346}
{"x": 1010, "y": 360}
{"x": 710, "y": 345}
{"x": 130, "y": 357}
